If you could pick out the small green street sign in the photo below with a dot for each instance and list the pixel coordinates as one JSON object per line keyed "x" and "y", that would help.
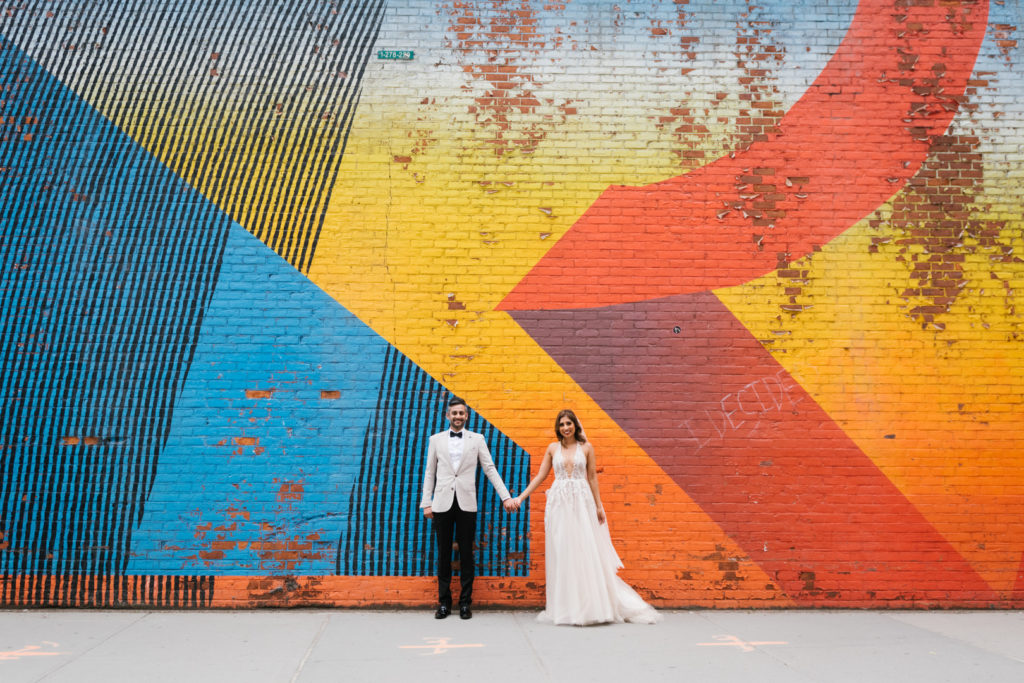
{"x": 395, "y": 54}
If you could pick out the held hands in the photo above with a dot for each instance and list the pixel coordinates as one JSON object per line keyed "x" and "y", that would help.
{"x": 511, "y": 505}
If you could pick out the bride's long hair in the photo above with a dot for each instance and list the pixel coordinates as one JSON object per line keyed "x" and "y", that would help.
{"x": 579, "y": 435}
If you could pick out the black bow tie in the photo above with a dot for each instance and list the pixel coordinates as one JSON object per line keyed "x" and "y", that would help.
{"x": 457, "y": 435}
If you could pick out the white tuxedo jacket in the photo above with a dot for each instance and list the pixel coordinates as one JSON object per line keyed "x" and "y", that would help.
{"x": 442, "y": 483}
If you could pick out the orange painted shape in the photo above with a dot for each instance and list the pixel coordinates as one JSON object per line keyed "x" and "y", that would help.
{"x": 243, "y": 592}
{"x": 674, "y": 554}
{"x": 1018, "y": 588}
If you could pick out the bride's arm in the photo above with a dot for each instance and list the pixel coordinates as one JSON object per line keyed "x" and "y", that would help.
{"x": 592, "y": 480}
{"x": 545, "y": 467}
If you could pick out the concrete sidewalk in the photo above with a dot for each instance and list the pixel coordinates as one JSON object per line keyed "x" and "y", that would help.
{"x": 493, "y": 647}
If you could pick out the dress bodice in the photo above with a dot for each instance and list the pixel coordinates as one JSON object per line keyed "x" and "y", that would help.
{"x": 570, "y": 467}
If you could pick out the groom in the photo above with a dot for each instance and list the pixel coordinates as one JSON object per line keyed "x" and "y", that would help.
{"x": 449, "y": 498}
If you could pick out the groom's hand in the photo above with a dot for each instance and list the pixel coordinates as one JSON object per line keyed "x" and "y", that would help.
{"x": 510, "y": 505}
{"x": 428, "y": 512}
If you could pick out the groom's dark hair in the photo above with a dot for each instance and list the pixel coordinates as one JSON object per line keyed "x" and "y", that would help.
{"x": 456, "y": 401}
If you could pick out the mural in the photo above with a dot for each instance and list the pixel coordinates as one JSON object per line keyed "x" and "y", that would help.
{"x": 769, "y": 253}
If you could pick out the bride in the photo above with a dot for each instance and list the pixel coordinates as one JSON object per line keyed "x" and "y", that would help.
{"x": 582, "y": 585}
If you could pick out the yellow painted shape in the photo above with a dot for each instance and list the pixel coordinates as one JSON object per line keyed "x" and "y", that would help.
{"x": 423, "y": 245}
{"x": 939, "y": 411}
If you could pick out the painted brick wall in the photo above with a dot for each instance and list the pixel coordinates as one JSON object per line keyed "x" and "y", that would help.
{"x": 771, "y": 254}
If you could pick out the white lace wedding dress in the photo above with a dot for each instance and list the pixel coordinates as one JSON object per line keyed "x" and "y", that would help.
{"x": 581, "y": 564}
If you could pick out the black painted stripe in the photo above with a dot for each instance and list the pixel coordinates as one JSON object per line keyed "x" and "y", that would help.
{"x": 107, "y": 591}
{"x": 387, "y": 534}
{"x": 358, "y": 57}
{"x": 150, "y": 74}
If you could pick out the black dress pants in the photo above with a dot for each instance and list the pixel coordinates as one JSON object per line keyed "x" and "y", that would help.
{"x": 455, "y": 524}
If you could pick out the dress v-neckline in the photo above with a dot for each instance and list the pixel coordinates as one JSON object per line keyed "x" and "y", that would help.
{"x": 568, "y": 465}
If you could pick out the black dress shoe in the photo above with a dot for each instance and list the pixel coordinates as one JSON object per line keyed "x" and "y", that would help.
{"x": 442, "y": 612}
{"x": 465, "y": 612}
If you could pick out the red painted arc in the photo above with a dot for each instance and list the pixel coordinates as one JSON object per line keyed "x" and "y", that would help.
{"x": 857, "y": 135}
